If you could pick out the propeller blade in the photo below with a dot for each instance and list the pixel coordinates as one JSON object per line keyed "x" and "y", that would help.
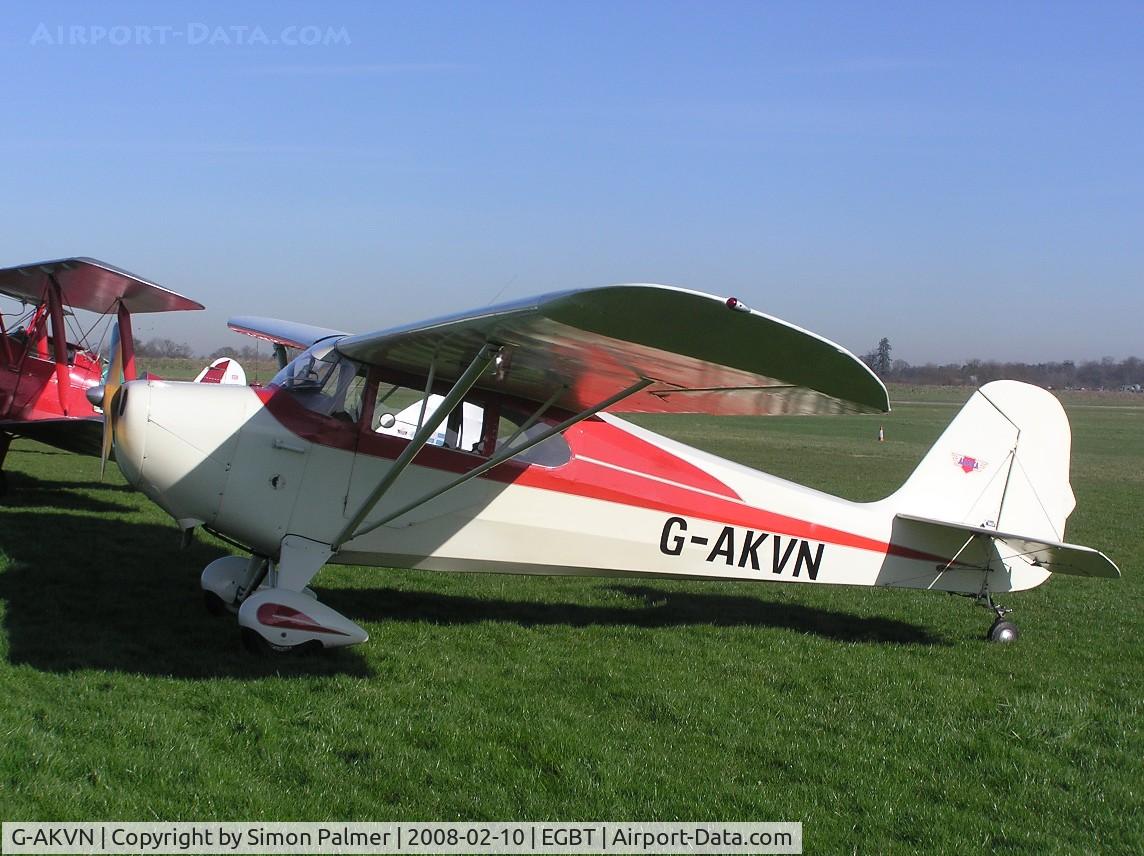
{"x": 112, "y": 378}
{"x": 110, "y": 400}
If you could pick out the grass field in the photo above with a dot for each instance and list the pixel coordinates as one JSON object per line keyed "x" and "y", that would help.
{"x": 880, "y": 719}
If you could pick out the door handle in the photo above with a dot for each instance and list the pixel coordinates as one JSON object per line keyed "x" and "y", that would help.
{"x": 287, "y": 446}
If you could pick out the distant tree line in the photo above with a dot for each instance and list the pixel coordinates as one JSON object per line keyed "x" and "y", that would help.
{"x": 166, "y": 349}
{"x": 1093, "y": 374}
{"x": 163, "y": 349}
{"x": 1106, "y": 373}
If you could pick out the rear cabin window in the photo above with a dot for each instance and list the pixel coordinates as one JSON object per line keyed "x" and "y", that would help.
{"x": 471, "y": 427}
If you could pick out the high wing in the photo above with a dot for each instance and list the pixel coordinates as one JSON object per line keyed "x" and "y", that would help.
{"x": 702, "y": 354}
{"x": 1054, "y": 556}
{"x": 288, "y": 333}
{"x": 92, "y": 285}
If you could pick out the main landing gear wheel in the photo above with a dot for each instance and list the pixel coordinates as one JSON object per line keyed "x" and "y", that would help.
{"x": 260, "y": 646}
{"x": 1003, "y": 631}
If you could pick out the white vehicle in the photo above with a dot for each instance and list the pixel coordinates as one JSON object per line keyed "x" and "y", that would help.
{"x": 516, "y": 462}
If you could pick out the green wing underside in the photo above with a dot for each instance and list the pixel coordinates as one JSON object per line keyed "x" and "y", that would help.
{"x": 701, "y": 355}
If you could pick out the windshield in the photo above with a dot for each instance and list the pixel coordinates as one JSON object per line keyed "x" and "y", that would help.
{"x": 324, "y": 381}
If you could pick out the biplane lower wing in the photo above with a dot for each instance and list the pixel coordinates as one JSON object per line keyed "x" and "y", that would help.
{"x": 702, "y": 354}
{"x": 83, "y": 435}
{"x": 1056, "y": 557}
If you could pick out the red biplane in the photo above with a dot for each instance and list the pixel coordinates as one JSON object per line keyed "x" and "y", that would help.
{"x": 44, "y": 371}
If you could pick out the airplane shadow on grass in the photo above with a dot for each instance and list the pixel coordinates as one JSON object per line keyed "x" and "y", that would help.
{"x": 83, "y": 591}
{"x": 27, "y": 491}
{"x": 95, "y": 592}
{"x": 660, "y": 609}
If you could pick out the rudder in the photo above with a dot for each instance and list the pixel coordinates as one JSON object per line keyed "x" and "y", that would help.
{"x": 1003, "y": 463}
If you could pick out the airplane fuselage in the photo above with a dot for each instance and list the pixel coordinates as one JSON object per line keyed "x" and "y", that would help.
{"x": 610, "y": 498}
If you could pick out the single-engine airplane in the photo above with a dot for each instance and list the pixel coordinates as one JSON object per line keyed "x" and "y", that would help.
{"x": 487, "y": 441}
{"x": 43, "y": 375}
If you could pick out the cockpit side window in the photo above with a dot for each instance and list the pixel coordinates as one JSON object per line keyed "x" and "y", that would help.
{"x": 324, "y": 381}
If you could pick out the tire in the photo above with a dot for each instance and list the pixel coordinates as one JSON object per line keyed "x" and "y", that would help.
{"x": 257, "y": 644}
{"x": 1003, "y": 632}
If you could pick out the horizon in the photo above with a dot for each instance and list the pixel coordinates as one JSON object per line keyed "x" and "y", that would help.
{"x": 962, "y": 181}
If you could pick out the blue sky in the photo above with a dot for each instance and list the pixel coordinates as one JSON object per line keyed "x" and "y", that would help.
{"x": 965, "y": 179}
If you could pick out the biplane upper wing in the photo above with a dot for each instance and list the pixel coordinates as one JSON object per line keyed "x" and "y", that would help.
{"x": 702, "y": 354}
{"x": 288, "y": 333}
{"x": 92, "y": 285}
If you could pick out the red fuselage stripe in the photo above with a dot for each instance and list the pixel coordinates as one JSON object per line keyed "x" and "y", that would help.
{"x": 650, "y": 478}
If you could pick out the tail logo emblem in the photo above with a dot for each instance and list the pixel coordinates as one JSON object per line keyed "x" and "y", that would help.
{"x": 968, "y": 464}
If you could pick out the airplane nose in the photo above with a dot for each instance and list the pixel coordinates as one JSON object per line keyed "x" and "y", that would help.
{"x": 175, "y": 442}
{"x": 128, "y": 410}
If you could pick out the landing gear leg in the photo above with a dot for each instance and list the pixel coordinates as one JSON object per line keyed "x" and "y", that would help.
{"x": 285, "y": 616}
{"x": 1002, "y": 630}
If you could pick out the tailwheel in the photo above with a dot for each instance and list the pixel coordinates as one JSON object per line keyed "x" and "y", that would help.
{"x": 1003, "y": 631}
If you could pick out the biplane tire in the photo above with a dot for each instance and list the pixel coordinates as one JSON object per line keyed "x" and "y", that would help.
{"x": 1003, "y": 631}
{"x": 3, "y": 483}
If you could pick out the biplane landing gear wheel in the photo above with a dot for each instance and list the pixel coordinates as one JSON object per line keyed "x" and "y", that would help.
{"x": 1003, "y": 631}
{"x": 260, "y": 646}
{"x": 3, "y": 483}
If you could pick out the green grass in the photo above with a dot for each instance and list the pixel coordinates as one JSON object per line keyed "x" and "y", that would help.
{"x": 880, "y": 719}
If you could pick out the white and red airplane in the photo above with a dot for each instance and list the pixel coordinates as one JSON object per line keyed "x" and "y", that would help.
{"x": 486, "y": 441}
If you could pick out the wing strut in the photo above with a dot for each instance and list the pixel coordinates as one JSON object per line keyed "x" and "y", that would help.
{"x": 506, "y": 453}
{"x": 464, "y": 383}
{"x": 59, "y": 341}
{"x": 126, "y": 341}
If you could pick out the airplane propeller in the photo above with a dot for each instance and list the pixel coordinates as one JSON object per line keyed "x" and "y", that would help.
{"x": 106, "y": 394}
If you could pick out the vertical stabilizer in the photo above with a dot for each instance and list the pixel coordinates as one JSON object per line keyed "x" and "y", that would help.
{"x": 1003, "y": 463}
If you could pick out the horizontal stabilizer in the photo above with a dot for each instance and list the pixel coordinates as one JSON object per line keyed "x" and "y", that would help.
{"x": 91, "y": 285}
{"x": 288, "y": 333}
{"x": 702, "y": 354}
{"x": 1054, "y": 556}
